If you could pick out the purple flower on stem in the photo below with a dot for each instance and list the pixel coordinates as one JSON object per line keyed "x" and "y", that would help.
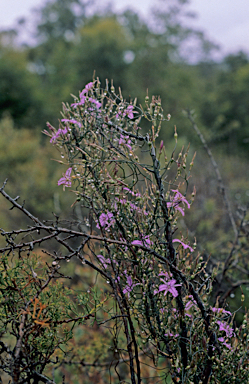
{"x": 137, "y": 242}
{"x": 106, "y": 220}
{"x": 145, "y": 242}
{"x": 221, "y": 310}
{"x": 168, "y": 286}
{"x": 190, "y": 303}
{"x": 104, "y": 261}
{"x": 124, "y": 140}
{"x": 72, "y": 121}
{"x": 177, "y": 199}
{"x": 86, "y": 89}
{"x": 91, "y": 99}
{"x": 83, "y": 94}
{"x": 131, "y": 192}
{"x": 135, "y": 208}
{"x": 81, "y": 102}
{"x": 225, "y": 327}
{"x": 161, "y": 147}
{"x": 129, "y": 287}
{"x": 223, "y": 341}
{"x": 122, "y": 201}
{"x": 129, "y": 112}
{"x": 66, "y": 179}
{"x": 96, "y": 102}
{"x": 185, "y": 246}
{"x": 58, "y": 134}
{"x": 169, "y": 334}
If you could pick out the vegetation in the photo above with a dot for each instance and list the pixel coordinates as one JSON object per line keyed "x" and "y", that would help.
{"x": 72, "y": 275}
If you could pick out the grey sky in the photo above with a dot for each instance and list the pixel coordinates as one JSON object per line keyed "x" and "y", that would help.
{"x": 224, "y": 21}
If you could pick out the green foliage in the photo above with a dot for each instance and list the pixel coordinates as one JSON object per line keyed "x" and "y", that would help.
{"x": 225, "y": 107}
{"x": 18, "y": 95}
{"x": 39, "y": 315}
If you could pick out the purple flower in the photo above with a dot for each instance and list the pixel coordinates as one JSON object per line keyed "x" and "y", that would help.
{"x": 135, "y": 208}
{"x": 106, "y": 220}
{"x": 129, "y": 112}
{"x": 92, "y": 100}
{"x": 58, "y": 134}
{"x": 221, "y": 310}
{"x": 166, "y": 274}
{"x": 86, "y": 89}
{"x": 131, "y": 192}
{"x": 124, "y": 140}
{"x": 129, "y": 287}
{"x": 104, "y": 261}
{"x": 180, "y": 197}
{"x": 96, "y": 102}
{"x": 83, "y": 97}
{"x": 185, "y": 246}
{"x": 137, "y": 242}
{"x": 145, "y": 242}
{"x": 72, "y": 121}
{"x": 225, "y": 327}
{"x": 66, "y": 179}
{"x": 190, "y": 303}
{"x": 177, "y": 199}
{"x": 169, "y": 334}
{"x": 168, "y": 286}
{"x": 222, "y": 340}
{"x": 161, "y": 146}
{"x": 81, "y": 102}
{"x": 122, "y": 201}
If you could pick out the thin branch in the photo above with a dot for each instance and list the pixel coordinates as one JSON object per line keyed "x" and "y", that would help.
{"x": 21, "y": 207}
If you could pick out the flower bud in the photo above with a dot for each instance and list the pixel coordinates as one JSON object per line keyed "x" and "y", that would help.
{"x": 161, "y": 146}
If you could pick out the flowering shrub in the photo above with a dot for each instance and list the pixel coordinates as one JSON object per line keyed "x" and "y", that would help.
{"x": 158, "y": 282}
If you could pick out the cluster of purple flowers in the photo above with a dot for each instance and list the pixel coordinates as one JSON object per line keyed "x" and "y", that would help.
{"x": 83, "y": 97}
{"x": 133, "y": 207}
{"x": 72, "y": 121}
{"x": 130, "y": 285}
{"x": 63, "y": 131}
{"x": 128, "y": 112}
{"x": 57, "y": 134}
{"x": 106, "y": 220}
{"x": 66, "y": 179}
{"x": 125, "y": 140}
{"x": 176, "y": 200}
{"x": 104, "y": 261}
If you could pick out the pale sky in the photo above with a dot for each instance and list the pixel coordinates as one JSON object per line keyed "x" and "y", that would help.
{"x": 225, "y": 22}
